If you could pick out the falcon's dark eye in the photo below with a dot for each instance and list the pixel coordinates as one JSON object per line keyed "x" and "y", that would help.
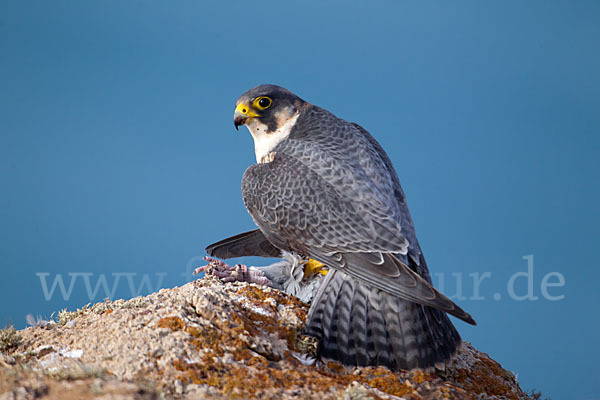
{"x": 262, "y": 102}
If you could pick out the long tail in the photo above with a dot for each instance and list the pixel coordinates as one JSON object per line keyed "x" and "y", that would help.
{"x": 360, "y": 325}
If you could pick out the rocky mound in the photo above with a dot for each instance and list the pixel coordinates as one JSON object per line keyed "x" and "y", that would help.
{"x": 212, "y": 340}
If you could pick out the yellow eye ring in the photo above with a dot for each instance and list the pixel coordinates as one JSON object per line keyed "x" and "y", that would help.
{"x": 262, "y": 102}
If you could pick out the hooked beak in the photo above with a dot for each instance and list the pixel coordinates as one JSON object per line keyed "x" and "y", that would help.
{"x": 242, "y": 114}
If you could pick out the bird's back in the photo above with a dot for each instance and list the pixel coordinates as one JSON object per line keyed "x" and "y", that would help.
{"x": 356, "y": 152}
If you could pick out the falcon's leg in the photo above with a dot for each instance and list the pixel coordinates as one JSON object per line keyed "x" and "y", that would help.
{"x": 293, "y": 274}
{"x": 287, "y": 274}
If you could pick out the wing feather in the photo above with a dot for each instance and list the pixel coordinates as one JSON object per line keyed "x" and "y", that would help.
{"x": 253, "y": 243}
{"x": 335, "y": 198}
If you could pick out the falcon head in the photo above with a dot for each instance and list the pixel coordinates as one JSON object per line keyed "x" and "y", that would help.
{"x": 269, "y": 112}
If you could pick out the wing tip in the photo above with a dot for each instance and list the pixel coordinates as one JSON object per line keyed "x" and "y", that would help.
{"x": 462, "y": 315}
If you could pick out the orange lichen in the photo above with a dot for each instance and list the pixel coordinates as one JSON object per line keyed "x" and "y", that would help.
{"x": 336, "y": 366}
{"x": 420, "y": 377}
{"x": 257, "y": 371}
{"x": 242, "y": 382}
{"x": 257, "y": 374}
{"x": 390, "y": 384}
{"x": 486, "y": 376}
{"x": 173, "y": 323}
{"x": 261, "y": 297}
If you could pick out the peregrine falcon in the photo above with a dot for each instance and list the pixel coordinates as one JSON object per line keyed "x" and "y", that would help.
{"x": 323, "y": 188}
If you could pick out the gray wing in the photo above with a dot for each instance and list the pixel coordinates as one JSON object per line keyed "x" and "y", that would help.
{"x": 332, "y": 169}
{"x": 253, "y": 243}
{"x": 414, "y": 258}
{"x": 335, "y": 202}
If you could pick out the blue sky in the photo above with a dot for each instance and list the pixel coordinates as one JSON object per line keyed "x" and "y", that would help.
{"x": 118, "y": 156}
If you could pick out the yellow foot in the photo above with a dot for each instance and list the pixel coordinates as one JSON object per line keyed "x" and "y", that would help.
{"x": 312, "y": 267}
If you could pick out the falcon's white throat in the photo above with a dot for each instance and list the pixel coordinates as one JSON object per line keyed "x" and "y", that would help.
{"x": 264, "y": 141}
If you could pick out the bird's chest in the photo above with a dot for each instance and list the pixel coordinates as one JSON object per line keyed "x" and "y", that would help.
{"x": 265, "y": 140}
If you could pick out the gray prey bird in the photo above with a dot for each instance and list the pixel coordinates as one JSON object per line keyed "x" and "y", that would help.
{"x": 325, "y": 190}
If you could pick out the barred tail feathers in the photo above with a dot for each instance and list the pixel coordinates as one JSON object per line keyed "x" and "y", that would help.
{"x": 360, "y": 325}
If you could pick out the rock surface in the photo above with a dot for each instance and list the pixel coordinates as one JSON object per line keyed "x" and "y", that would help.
{"x": 209, "y": 340}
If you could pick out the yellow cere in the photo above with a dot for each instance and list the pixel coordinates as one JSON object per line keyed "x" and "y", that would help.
{"x": 245, "y": 110}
